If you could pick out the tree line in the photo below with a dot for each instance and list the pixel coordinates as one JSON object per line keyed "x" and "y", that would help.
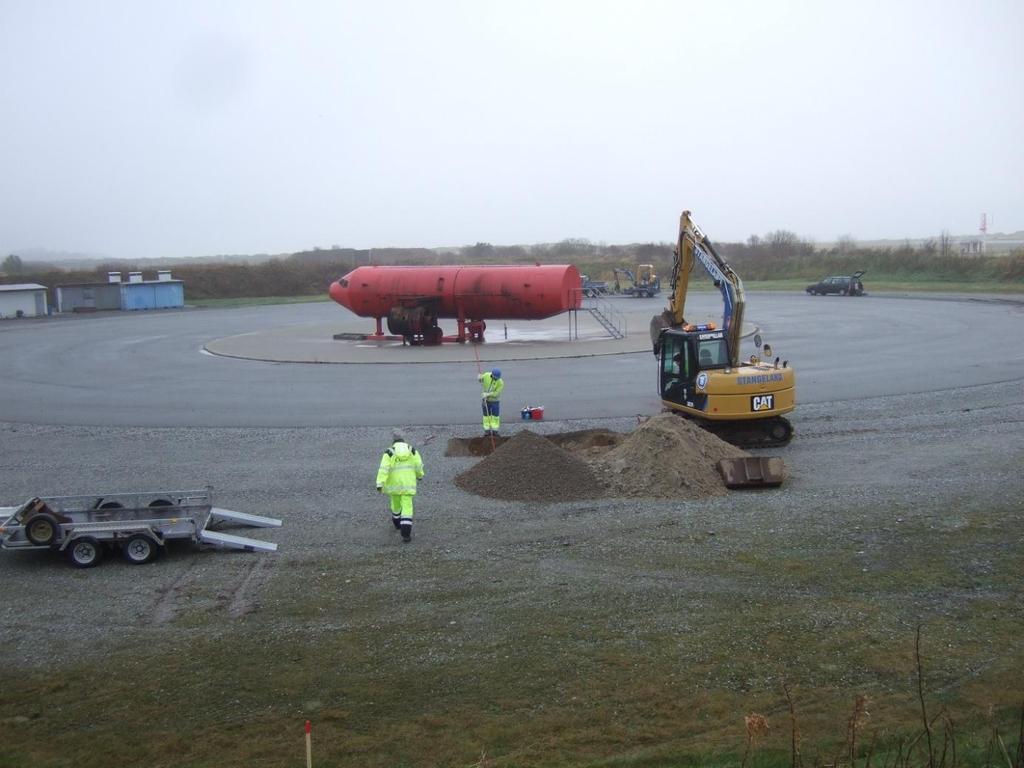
{"x": 778, "y": 255}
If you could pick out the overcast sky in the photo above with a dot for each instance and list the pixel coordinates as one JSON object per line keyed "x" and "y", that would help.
{"x": 170, "y": 129}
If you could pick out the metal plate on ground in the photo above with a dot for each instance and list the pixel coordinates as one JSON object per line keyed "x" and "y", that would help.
{"x": 753, "y": 472}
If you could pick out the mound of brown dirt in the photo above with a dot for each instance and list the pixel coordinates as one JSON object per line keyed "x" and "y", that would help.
{"x": 666, "y": 457}
{"x": 528, "y": 467}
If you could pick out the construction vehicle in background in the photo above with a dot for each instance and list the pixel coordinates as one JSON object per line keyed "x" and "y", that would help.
{"x": 593, "y": 288}
{"x": 700, "y": 374}
{"x": 647, "y": 280}
{"x": 643, "y": 283}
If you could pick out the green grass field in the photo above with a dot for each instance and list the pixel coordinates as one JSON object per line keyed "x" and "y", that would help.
{"x": 255, "y": 301}
{"x": 879, "y": 286}
{"x": 893, "y": 285}
{"x": 600, "y": 681}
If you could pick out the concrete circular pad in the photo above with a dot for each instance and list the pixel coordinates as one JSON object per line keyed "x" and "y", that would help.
{"x": 569, "y": 335}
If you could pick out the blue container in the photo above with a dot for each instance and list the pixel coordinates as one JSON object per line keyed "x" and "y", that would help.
{"x": 163, "y": 294}
{"x": 526, "y": 414}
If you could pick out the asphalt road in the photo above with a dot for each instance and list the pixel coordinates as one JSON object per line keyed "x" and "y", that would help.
{"x": 133, "y": 369}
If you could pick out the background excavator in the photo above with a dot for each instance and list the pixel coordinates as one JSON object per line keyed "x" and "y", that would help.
{"x": 700, "y": 375}
{"x": 642, "y": 284}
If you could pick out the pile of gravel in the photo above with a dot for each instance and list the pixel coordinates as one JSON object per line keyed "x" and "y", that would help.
{"x": 666, "y": 457}
{"x": 529, "y": 467}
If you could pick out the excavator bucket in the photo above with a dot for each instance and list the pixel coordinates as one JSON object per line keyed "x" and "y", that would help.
{"x": 752, "y": 472}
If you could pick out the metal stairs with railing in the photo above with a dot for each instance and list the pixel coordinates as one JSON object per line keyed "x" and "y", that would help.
{"x": 611, "y": 319}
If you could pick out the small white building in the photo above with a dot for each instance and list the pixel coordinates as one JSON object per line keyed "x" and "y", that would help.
{"x": 22, "y": 300}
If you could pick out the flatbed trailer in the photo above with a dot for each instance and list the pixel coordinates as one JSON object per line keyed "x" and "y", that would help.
{"x": 139, "y": 524}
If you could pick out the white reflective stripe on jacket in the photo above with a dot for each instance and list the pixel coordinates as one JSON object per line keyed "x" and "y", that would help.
{"x": 400, "y": 467}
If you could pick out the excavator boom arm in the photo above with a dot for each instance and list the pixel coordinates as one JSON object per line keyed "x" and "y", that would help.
{"x": 692, "y": 246}
{"x": 682, "y": 265}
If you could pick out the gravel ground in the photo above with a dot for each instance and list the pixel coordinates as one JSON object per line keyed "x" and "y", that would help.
{"x": 860, "y": 473}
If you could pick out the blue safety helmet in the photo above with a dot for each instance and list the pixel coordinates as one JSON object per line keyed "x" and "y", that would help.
{"x": 496, "y": 373}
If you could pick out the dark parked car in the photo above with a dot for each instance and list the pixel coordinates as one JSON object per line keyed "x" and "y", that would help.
{"x": 848, "y": 285}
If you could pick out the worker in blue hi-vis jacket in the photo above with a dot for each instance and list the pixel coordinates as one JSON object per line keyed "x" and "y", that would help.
{"x": 490, "y": 398}
{"x": 400, "y": 467}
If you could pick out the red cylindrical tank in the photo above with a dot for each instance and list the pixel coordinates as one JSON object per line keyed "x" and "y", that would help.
{"x": 475, "y": 292}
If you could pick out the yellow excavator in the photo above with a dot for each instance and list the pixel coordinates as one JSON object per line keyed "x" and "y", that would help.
{"x": 700, "y": 375}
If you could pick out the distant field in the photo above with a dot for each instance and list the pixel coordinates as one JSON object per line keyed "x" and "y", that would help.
{"x": 929, "y": 286}
{"x": 250, "y": 301}
{"x": 882, "y": 284}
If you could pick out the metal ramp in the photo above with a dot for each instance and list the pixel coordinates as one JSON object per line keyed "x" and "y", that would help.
{"x": 244, "y": 518}
{"x": 610, "y": 318}
{"x": 230, "y": 541}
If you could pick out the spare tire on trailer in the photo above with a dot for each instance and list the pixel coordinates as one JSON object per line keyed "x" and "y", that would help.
{"x": 42, "y": 529}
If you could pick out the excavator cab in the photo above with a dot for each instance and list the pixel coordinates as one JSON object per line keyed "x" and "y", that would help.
{"x": 685, "y": 354}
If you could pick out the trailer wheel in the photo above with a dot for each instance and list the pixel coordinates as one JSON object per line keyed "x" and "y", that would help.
{"x": 42, "y": 529}
{"x": 85, "y": 552}
{"x": 139, "y": 549}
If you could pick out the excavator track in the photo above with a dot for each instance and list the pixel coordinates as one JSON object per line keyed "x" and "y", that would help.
{"x": 756, "y": 433}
